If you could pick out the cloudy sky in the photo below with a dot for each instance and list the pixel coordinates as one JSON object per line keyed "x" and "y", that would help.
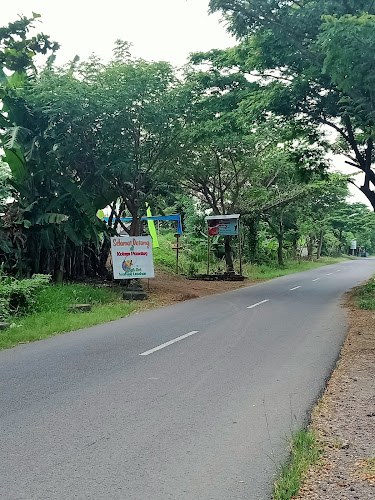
{"x": 159, "y": 29}
{"x": 166, "y": 30}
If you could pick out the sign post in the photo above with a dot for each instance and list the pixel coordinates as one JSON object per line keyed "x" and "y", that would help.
{"x": 178, "y": 247}
{"x": 132, "y": 257}
{"x": 223, "y": 225}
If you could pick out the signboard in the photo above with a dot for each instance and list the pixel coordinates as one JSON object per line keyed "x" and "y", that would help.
{"x": 132, "y": 257}
{"x": 353, "y": 245}
{"x": 223, "y": 226}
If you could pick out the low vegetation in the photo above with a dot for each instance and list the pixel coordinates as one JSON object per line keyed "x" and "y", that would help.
{"x": 366, "y": 295}
{"x": 305, "y": 452}
{"x": 36, "y": 308}
{"x": 50, "y": 314}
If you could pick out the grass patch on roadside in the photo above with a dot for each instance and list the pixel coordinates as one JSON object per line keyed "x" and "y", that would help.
{"x": 52, "y": 316}
{"x": 195, "y": 262}
{"x": 305, "y": 452}
{"x": 366, "y": 295}
{"x": 267, "y": 271}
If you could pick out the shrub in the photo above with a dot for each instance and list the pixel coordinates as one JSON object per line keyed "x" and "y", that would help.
{"x": 20, "y": 296}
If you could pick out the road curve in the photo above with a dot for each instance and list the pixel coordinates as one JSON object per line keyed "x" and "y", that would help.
{"x": 194, "y": 401}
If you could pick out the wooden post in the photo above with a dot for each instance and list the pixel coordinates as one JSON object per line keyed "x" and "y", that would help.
{"x": 177, "y": 248}
{"x": 240, "y": 245}
{"x": 177, "y": 252}
{"x": 208, "y": 251}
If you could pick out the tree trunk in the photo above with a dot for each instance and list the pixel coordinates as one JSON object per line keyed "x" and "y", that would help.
{"x": 320, "y": 244}
{"x": 61, "y": 260}
{"x": 295, "y": 246}
{"x": 228, "y": 255}
{"x": 310, "y": 247}
{"x": 280, "y": 239}
{"x": 252, "y": 240}
{"x": 106, "y": 247}
{"x": 280, "y": 258}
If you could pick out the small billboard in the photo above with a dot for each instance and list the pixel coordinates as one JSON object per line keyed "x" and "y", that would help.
{"x": 132, "y": 257}
{"x": 223, "y": 225}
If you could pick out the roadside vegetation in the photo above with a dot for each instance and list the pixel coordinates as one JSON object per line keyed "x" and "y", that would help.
{"x": 366, "y": 295}
{"x": 308, "y": 447}
{"x": 47, "y": 313}
{"x": 85, "y": 145}
{"x": 36, "y": 308}
{"x": 305, "y": 452}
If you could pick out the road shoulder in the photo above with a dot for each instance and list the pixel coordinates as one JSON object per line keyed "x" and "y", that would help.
{"x": 344, "y": 419}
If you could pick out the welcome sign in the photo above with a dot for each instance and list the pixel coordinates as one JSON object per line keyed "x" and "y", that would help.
{"x": 132, "y": 257}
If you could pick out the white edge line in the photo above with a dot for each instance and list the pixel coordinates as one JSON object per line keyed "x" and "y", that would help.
{"x": 316, "y": 279}
{"x": 295, "y": 288}
{"x": 259, "y": 303}
{"x": 146, "y": 353}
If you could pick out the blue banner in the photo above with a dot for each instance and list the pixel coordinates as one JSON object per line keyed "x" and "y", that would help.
{"x": 175, "y": 217}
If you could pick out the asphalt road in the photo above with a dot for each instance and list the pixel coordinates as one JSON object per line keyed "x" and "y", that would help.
{"x": 100, "y": 414}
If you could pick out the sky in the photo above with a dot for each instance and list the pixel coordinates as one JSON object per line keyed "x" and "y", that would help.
{"x": 165, "y": 30}
{"x": 160, "y": 30}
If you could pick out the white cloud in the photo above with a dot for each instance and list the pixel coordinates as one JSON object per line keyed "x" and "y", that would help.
{"x": 159, "y": 29}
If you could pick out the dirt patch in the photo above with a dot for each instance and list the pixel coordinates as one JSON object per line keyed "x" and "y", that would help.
{"x": 344, "y": 419}
{"x": 166, "y": 289}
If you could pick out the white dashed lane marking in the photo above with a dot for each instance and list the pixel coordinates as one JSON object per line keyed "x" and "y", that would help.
{"x": 258, "y": 303}
{"x": 146, "y": 353}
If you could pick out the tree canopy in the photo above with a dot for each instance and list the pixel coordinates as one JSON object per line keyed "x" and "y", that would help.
{"x": 316, "y": 60}
{"x": 239, "y": 134}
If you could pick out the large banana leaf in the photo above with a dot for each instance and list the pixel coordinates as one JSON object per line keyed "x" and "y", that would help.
{"x": 16, "y": 162}
{"x": 15, "y": 137}
{"x": 79, "y": 196}
{"x": 71, "y": 234}
{"x": 51, "y": 219}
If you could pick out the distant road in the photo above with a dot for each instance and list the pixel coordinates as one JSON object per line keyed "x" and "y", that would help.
{"x": 194, "y": 401}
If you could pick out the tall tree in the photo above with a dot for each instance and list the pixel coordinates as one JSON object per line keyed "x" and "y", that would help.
{"x": 298, "y": 49}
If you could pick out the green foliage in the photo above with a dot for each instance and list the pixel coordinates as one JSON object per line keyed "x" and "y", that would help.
{"x": 80, "y": 140}
{"x": 272, "y": 270}
{"x": 165, "y": 256}
{"x": 50, "y": 315}
{"x": 305, "y": 452}
{"x": 20, "y": 297}
{"x": 17, "y": 49}
{"x": 315, "y": 59}
{"x": 95, "y": 137}
{"x": 366, "y": 295}
{"x": 344, "y": 40}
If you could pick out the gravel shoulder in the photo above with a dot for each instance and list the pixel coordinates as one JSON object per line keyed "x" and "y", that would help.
{"x": 167, "y": 288}
{"x": 344, "y": 419}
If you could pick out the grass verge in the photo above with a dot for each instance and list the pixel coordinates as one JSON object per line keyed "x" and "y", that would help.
{"x": 366, "y": 295}
{"x": 267, "y": 271}
{"x": 52, "y": 316}
{"x": 305, "y": 452}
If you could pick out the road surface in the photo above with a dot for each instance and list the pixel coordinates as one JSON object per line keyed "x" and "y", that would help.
{"x": 195, "y": 401}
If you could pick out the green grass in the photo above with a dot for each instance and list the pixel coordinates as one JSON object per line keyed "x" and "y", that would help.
{"x": 267, "y": 271}
{"x": 305, "y": 452}
{"x": 366, "y": 295}
{"x": 165, "y": 257}
{"x": 52, "y": 316}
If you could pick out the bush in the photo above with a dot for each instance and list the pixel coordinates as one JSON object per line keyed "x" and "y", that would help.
{"x": 366, "y": 295}
{"x": 20, "y": 296}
